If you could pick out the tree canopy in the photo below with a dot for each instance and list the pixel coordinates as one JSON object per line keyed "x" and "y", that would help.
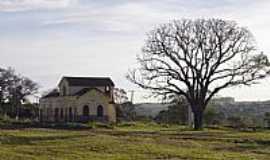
{"x": 15, "y": 89}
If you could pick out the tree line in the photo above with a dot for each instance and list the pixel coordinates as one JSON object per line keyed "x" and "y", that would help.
{"x": 177, "y": 113}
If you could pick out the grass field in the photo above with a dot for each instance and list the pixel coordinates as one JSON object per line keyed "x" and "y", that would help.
{"x": 136, "y": 142}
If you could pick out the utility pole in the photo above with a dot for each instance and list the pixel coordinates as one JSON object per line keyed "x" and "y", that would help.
{"x": 131, "y": 95}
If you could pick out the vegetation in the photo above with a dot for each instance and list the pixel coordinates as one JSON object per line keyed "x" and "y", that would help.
{"x": 125, "y": 112}
{"x": 14, "y": 92}
{"x": 197, "y": 59}
{"x": 212, "y": 117}
{"x": 267, "y": 119}
{"x": 177, "y": 112}
{"x": 132, "y": 141}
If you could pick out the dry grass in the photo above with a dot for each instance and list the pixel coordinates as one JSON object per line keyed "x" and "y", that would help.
{"x": 138, "y": 141}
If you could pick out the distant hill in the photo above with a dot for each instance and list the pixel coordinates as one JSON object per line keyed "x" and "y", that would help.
{"x": 229, "y": 107}
{"x": 149, "y": 109}
{"x": 225, "y": 105}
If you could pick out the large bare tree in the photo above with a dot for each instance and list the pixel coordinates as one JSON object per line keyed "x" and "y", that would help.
{"x": 198, "y": 58}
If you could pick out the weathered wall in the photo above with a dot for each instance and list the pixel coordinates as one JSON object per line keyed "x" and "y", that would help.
{"x": 74, "y": 104}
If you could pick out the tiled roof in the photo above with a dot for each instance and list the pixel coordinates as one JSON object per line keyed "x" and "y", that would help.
{"x": 85, "y": 90}
{"x": 53, "y": 93}
{"x": 89, "y": 81}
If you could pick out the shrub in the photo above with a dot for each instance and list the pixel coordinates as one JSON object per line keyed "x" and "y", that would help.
{"x": 242, "y": 123}
{"x": 100, "y": 125}
{"x": 71, "y": 125}
{"x": 210, "y": 115}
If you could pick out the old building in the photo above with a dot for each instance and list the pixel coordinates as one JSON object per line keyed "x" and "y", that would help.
{"x": 79, "y": 99}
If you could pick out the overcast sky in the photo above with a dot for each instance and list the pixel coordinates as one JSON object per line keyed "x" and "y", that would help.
{"x": 46, "y": 39}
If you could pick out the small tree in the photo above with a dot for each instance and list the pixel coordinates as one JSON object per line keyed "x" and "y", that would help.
{"x": 198, "y": 58}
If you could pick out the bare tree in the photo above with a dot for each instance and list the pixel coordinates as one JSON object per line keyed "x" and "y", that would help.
{"x": 197, "y": 59}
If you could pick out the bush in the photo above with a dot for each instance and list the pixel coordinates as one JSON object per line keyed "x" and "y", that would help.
{"x": 210, "y": 115}
{"x": 9, "y": 123}
{"x": 66, "y": 126}
{"x": 177, "y": 113}
{"x": 5, "y": 119}
{"x": 267, "y": 120}
{"x": 100, "y": 125}
{"x": 242, "y": 123}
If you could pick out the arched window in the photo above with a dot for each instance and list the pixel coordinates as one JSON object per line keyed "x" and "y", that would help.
{"x": 56, "y": 112}
{"x": 85, "y": 110}
{"x": 61, "y": 113}
{"x": 66, "y": 114}
{"x": 100, "y": 111}
{"x": 41, "y": 115}
{"x": 107, "y": 89}
{"x": 48, "y": 114}
{"x": 75, "y": 114}
{"x": 70, "y": 117}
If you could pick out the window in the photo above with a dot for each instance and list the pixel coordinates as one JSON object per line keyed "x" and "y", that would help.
{"x": 66, "y": 114}
{"x": 41, "y": 115}
{"x": 107, "y": 89}
{"x": 61, "y": 113}
{"x": 100, "y": 111}
{"x": 70, "y": 114}
{"x": 75, "y": 114}
{"x": 85, "y": 110}
{"x": 48, "y": 114}
{"x": 56, "y": 112}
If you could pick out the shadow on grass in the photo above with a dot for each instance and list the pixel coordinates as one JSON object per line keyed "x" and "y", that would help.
{"x": 22, "y": 140}
{"x": 66, "y": 126}
{"x": 257, "y": 146}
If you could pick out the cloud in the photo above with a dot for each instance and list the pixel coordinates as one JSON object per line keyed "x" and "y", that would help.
{"x": 130, "y": 16}
{"x": 27, "y": 5}
{"x": 122, "y": 17}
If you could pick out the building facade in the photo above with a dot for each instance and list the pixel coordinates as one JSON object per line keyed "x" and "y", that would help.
{"x": 79, "y": 99}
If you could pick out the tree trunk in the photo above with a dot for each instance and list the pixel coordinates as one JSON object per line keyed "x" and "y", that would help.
{"x": 198, "y": 120}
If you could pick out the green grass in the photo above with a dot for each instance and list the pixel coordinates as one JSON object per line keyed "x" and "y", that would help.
{"x": 138, "y": 141}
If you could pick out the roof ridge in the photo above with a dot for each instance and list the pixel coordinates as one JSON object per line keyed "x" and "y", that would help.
{"x": 84, "y": 77}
